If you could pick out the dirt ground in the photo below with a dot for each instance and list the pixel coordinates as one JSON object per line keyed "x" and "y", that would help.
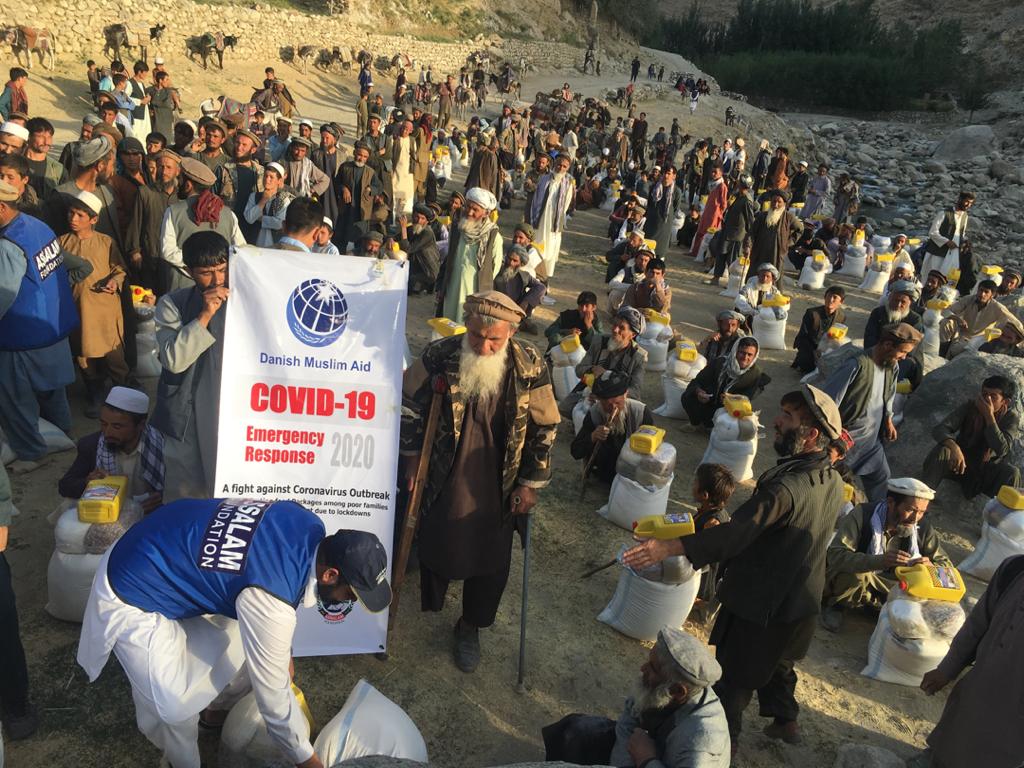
{"x": 575, "y": 664}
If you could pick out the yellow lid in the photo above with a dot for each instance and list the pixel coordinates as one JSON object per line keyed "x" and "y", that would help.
{"x": 712, "y": 230}
{"x": 766, "y": 206}
{"x": 954, "y": 275}
{"x": 914, "y": 241}
{"x": 539, "y": 247}
{"x": 303, "y": 706}
{"x": 744, "y": 261}
{"x": 394, "y": 246}
{"x": 903, "y": 386}
{"x": 647, "y": 439}
{"x": 687, "y": 351}
{"x": 1011, "y": 497}
{"x": 778, "y": 300}
{"x": 737, "y": 406}
{"x": 991, "y": 269}
{"x": 884, "y": 257}
{"x": 992, "y": 333}
{"x": 446, "y": 327}
{"x": 654, "y": 316}
{"x": 797, "y": 206}
{"x": 652, "y": 244}
{"x": 848, "y": 492}
{"x": 588, "y": 380}
{"x": 858, "y": 237}
{"x": 937, "y": 304}
{"x": 837, "y": 331}
{"x": 932, "y": 582}
{"x": 445, "y": 220}
{"x": 819, "y": 256}
{"x": 616, "y": 184}
{"x": 139, "y": 293}
{"x": 570, "y": 343}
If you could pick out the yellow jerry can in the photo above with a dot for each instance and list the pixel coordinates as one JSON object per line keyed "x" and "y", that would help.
{"x": 101, "y": 502}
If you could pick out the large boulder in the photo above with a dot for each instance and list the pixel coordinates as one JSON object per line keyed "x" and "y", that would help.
{"x": 866, "y": 756}
{"x": 969, "y": 141}
{"x": 942, "y": 390}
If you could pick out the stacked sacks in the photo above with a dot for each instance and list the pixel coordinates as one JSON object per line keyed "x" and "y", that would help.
{"x": 770, "y": 322}
{"x": 1002, "y": 534}
{"x": 733, "y": 441}
{"x": 931, "y": 320}
{"x": 684, "y": 363}
{"x": 881, "y": 243}
{"x": 245, "y": 741}
{"x": 856, "y": 259}
{"x": 737, "y": 277}
{"x": 876, "y": 278}
{"x": 79, "y": 547}
{"x": 899, "y": 401}
{"x": 643, "y": 478}
{"x": 812, "y": 274}
{"x": 655, "y": 338}
{"x": 55, "y": 439}
{"x": 646, "y": 601}
{"x": 992, "y": 272}
{"x": 148, "y": 364}
{"x": 613, "y": 196}
{"x": 565, "y": 356}
{"x": 369, "y": 724}
{"x": 913, "y": 633}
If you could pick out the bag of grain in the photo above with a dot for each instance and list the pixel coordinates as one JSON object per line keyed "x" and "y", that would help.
{"x": 877, "y": 276}
{"x": 855, "y": 262}
{"x": 733, "y": 442}
{"x": 651, "y": 470}
{"x": 737, "y": 277}
{"x": 770, "y": 323}
{"x": 55, "y": 439}
{"x": 683, "y": 364}
{"x": 245, "y": 741}
{"x": 1002, "y": 534}
{"x": 641, "y": 607}
{"x": 812, "y": 274}
{"x": 628, "y": 501}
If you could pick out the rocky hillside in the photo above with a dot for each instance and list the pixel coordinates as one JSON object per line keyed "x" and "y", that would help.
{"x": 993, "y": 27}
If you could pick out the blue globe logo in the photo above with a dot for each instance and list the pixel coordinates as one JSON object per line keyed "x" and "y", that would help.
{"x": 317, "y": 312}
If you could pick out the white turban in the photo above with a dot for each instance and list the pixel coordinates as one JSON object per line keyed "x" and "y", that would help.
{"x": 14, "y": 129}
{"x": 483, "y": 198}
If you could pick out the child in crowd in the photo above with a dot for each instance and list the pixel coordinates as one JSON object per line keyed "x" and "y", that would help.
{"x": 713, "y": 485}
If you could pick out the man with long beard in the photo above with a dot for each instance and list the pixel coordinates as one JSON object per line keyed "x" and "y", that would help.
{"x": 475, "y": 255}
{"x": 898, "y": 309}
{"x": 548, "y": 209}
{"x": 775, "y": 545}
{"x": 239, "y": 178}
{"x": 774, "y": 231}
{"x": 491, "y": 454}
{"x": 673, "y": 719}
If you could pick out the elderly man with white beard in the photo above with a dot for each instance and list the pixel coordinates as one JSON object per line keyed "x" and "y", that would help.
{"x": 491, "y": 455}
{"x": 673, "y": 720}
{"x": 774, "y": 231}
{"x": 475, "y": 255}
{"x": 550, "y": 204}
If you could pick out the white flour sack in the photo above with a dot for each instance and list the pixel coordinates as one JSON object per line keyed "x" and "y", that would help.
{"x": 641, "y": 607}
{"x": 733, "y": 442}
{"x": 655, "y": 341}
{"x": 1002, "y": 536}
{"x": 628, "y": 501}
{"x": 68, "y": 582}
{"x": 56, "y": 441}
{"x": 369, "y": 724}
{"x": 855, "y": 262}
{"x": 652, "y": 470}
{"x": 679, "y": 372}
{"x": 564, "y": 380}
{"x": 770, "y": 327}
{"x": 245, "y": 742}
{"x": 911, "y": 637}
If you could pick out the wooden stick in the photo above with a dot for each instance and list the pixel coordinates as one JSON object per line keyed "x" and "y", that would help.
{"x": 593, "y": 455}
{"x": 412, "y": 508}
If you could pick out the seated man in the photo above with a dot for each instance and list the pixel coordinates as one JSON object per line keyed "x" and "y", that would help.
{"x": 582, "y": 321}
{"x": 974, "y": 442}
{"x": 1008, "y": 342}
{"x": 652, "y": 292}
{"x": 626, "y": 277}
{"x": 934, "y": 281}
{"x": 902, "y": 271}
{"x": 125, "y": 445}
{"x": 763, "y": 285}
{"x": 534, "y": 264}
{"x": 728, "y": 333}
{"x": 622, "y": 253}
{"x": 419, "y": 243}
{"x": 617, "y": 351}
{"x": 969, "y": 316}
{"x": 520, "y": 286}
{"x": 608, "y": 425}
{"x": 675, "y": 720}
{"x": 736, "y": 374}
{"x": 902, "y": 295}
{"x": 636, "y": 218}
{"x": 814, "y": 326}
{"x": 870, "y": 541}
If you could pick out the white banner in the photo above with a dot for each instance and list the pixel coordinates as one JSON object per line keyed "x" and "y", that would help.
{"x": 310, "y": 405}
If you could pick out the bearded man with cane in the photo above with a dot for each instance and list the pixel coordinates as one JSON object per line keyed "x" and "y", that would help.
{"x": 491, "y": 453}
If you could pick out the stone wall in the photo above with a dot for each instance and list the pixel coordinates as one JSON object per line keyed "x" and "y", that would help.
{"x": 261, "y": 30}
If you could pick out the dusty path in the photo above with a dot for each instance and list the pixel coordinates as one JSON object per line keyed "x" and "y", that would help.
{"x": 576, "y": 663}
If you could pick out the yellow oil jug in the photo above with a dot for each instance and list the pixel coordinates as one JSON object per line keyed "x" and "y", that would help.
{"x": 848, "y": 492}
{"x": 766, "y": 206}
{"x": 797, "y": 206}
{"x": 445, "y": 327}
{"x": 744, "y": 261}
{"x": 914, "y": 241}
{"x": 686, "y": 351}
{"x": 778, "y": 300}
{"x": 817, "y": 217}
{"x": 819, "y": 257}
{"x": 937, "y": 305}
{"x": 444, "y": 220}
{"x": 652, "y": 245}
{"x": 991, "y": 269}
{"x": 884, "y": 258}
{"x": 102, "y": 500}
{"x": 654, "y": 316}
{"x": 932, "y": 582}
{"x": 588, "y": 380}
{"x": 303, "y": 706}
{"x": 991, "y": 333}
{"x": 647, "y": 439}
{"x": 712, "y": 230}
{"x": 570, "y": 343}
{"x": 703, "y": 199}
{"x": 903, "y": 386}
{"x": 954, "y": 275}
{"x": 858, "y": 237}
{"x": 837, "y": 331}
{"x": 737, "y": 406}
{"x": 667, "y": 526}
{"x": 139, "y": 294}
{"x": 539, "y": 247}
{"x": 1011, "y": 498}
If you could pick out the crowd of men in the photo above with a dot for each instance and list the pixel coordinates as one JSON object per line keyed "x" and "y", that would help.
{"x": 145, "y": 197}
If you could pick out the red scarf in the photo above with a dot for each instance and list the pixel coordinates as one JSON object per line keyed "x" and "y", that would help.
{"x": 208, "y": 208}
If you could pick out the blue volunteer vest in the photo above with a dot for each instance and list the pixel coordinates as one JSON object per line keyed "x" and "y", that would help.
{"x": 44, "y": 310}
{"x": 193, "y": 556}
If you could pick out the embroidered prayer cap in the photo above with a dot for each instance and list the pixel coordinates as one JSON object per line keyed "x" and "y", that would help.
{"x": 905, "y": 287}
{"x": 493, "y": 304}
{"x": 634, "y": 318}
{"x": 15, "y": 130}
{"x": 8, "y": 193}
{"x": 910, "y": 486}
{"x": 92, "y": 151}
{"x": 692, "y": 658}
{"x": 85, "y": 200}
{"x": 824, "y": 410}
{"x": 901, "y": 333}
{"x": 127, "y": 399}
{"x": 610, "y": 384}
{"x": 197, "y": 172}
{"x": 482, "y": 197}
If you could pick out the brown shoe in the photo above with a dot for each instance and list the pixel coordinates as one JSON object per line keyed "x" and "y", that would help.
{"x": 787, "y": 730}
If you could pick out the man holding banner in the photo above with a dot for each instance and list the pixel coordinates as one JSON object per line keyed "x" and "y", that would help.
{"x": 491, "y": 454}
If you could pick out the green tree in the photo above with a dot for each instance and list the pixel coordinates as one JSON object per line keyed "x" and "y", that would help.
{"x": 975, "y": 89}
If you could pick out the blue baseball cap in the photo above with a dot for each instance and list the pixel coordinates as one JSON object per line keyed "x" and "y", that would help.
{"x": 363, "y": 563}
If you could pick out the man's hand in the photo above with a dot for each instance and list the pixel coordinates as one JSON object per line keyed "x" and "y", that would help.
{"x": 96, "y": 474}
{"x": 933, "y": 682}
{"x": 346, "y": 196}
{"x": 651, "y": 552}
{"x": 151, "y": 502}
{"x": 641, "y": 747}
{"x": 597, "y": 370}
{"x": 889, "y": 433}
{"x": 957, "y": 462}
{"x": 986, "y": 410}
{"x": 702, "y": 395}
{"x": 136, "y": 258}
{"x": 110, "y": 286}
{"x": 213, "y": 300}
{"x": 951, "y": 244}
{"x": 894, "y": 559}
{"x": 3, "y": 537}
{"x": 313, "y": 762}
{"x": 523, "y": 500}
{"x": 409, "y": 466}
{"x": 600, "y": 434}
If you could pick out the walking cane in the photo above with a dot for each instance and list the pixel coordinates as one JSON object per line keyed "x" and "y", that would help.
{"x": 520, "y": 684}
{"x": 590, "y": 459}
{"x": 412, "y": 508}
